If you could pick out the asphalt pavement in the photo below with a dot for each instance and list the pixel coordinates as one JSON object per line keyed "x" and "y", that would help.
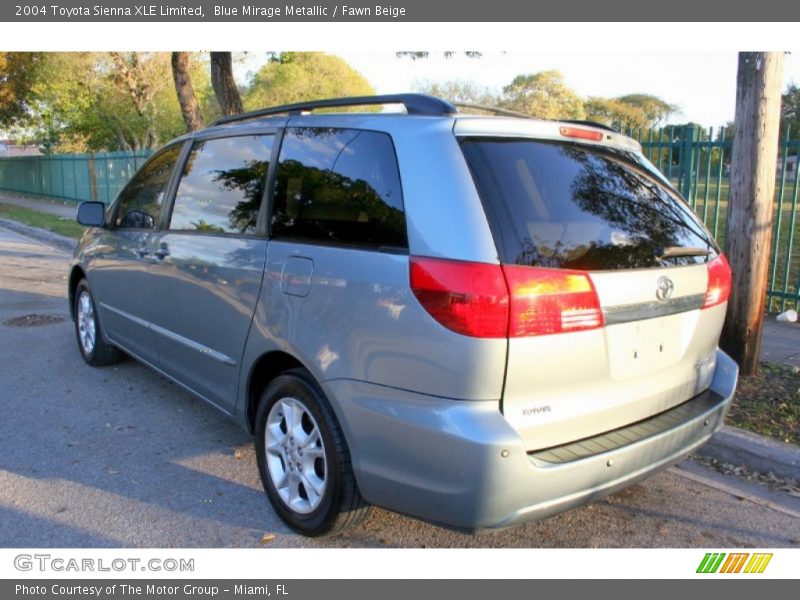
{"x": 121, "y": 457}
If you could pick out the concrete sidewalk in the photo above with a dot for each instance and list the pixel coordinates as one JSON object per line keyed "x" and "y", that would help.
{"x": 64, "y": 209}
{"x": 780, "y": 342}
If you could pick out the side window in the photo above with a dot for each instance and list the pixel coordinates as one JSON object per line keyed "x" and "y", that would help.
{"x": 338, "y": 186}
{"x": 222, "y": 185}
{"x": 141, "y": 201}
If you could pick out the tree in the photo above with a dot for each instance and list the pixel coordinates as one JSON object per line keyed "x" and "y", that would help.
{"x": 633, "y": 111}
{"x": 230, "y": 102}
{"x": 543, "y": 95}
{"x": 132, "y": 75}
{"x": 89, "y": 101}
{"x": 18, "y": 72}
{"x": 446, "y": 54}
{"x": 725, "y": 133}
{"x": 656, "y": 111}
{"x": 458, "y": 91}
{"x": 616, "y": 114}
{"x": 790, "y": 109}
{"x": 750, "y": 205}
{"x": 302, "y": 76}
{"x": 190, "y": 110}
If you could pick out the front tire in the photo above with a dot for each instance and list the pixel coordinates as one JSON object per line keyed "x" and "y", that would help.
{"x": 96, "y": 351}
{"x": 303, "y": 458}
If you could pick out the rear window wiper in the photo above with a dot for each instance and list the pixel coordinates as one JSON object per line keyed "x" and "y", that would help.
{"x": 673, "y": 251}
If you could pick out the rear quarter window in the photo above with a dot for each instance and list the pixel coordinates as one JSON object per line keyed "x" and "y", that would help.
{"x": 574, "y": 206}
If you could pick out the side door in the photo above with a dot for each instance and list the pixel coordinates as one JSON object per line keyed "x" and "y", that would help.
{"x": 208, "y": 263}
{"x": 120, "y": 259}
{"x": 336, "y": 292}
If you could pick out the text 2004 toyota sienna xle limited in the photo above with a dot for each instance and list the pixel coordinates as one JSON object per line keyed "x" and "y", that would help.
{"x": 476, "y": 321}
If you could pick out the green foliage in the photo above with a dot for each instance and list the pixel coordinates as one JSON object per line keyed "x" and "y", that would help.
{"x": 655, "y": 110}
{"x": 630, "y": 112}
{"x": 725, "y": 133}
{"x": 302, "y": 76}
{"x": 790, "y": 114}
{"x": 546, "y": 95}
{"x": 615, "y": 113}
{"x": 18, "y": 72}
{"x": 446, "y": 54}
{"x": 458, "y": 91}
{"x": 790, "y": 109}
{"x": 543, "y": 95}
{"x": 90, "y": 101}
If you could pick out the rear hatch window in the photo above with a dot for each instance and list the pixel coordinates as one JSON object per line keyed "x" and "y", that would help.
{"x": 573, "y": 206}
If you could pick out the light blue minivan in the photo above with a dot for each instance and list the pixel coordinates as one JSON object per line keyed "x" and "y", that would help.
{"x": 472, "y": 320}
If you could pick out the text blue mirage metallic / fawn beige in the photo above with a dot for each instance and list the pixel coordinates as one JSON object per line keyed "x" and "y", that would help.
{"x": 473, "y": 320}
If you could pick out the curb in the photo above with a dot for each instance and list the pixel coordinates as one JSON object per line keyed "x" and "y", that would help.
{"x": 42, "y": 235}
{"x": 756, "y": 452}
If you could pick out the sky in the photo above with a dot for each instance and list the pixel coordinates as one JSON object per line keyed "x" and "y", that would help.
{"x": 702, "y": 84}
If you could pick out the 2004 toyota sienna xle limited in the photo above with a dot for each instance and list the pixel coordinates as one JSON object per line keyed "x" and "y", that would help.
{"x": 476, "y": 321}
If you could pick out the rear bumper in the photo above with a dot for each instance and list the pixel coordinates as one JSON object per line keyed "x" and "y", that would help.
{"x": 460, "y": 463}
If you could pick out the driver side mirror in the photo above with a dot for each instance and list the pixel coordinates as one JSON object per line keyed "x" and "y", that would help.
{"x": 91, "y": 214}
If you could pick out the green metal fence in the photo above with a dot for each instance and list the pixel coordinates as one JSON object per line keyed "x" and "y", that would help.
{"x": 697, "y": 161}
{"x": 71, "y": 177}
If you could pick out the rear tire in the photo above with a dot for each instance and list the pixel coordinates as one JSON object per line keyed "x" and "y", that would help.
{"x": 96, "y": 351}
{"x": 303, "y": 458}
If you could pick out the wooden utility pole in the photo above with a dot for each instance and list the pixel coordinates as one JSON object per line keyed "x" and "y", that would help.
{"x": 751, "y": 202}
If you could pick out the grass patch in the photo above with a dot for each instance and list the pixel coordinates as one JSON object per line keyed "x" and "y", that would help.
{"x": 66, "y": 227}
{"x": 769, "y": 403}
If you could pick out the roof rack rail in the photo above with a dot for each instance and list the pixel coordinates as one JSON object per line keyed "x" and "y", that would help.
{"x": 589, "y": 123}
{"x": 416, "y": 104}
{"x": 493, "y": 109}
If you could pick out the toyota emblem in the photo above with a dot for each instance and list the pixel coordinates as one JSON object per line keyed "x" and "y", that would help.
{"x": 664, "y": 288}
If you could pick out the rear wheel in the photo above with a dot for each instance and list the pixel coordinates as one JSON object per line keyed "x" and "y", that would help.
{"x": 94, "y": 348}
{"x": 303, "y": 458}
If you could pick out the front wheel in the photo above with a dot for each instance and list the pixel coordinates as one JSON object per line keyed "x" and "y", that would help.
{"x": 303, "y": 458}
{"x": 94, "y": 348}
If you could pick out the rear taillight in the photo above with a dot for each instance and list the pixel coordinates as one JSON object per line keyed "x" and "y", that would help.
{"x": 551, "y": 301}
{"x": 469, "y": 298}
{"x": 719, "y": 282}
{"x": 491, "y": 301}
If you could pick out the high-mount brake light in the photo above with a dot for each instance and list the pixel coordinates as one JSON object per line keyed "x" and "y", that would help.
{"x": 493, "y": 301}
{"x": 582, "y": 134}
